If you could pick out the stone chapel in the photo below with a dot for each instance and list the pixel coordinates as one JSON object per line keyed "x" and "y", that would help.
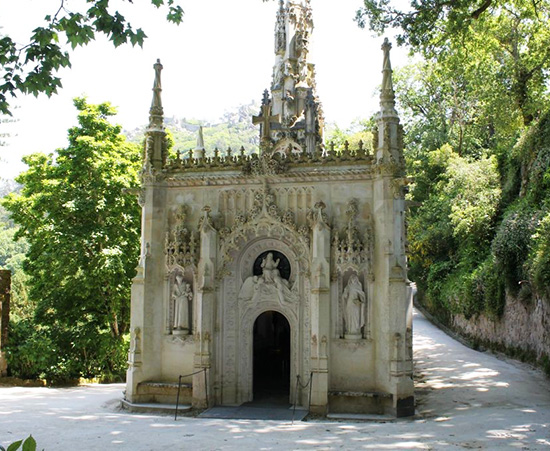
{"x": 260, "y": 273}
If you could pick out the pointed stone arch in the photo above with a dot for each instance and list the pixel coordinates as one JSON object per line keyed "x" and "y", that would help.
{"x": 237, "y": 339}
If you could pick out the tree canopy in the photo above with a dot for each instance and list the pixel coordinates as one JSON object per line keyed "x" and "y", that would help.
{"x": 31, "y": 67}
{"x": 81, "y": 221}
{"x": 475, "y": 112}
{"x": 507, "y": 42}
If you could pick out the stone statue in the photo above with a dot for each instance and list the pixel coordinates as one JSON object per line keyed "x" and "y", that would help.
{"x": 353, "y": 300}
{"x": 278, "y": 75}
{"x": 269, "y": 285}
{"x": 269, "y": 268}
{"x": 303, "y": 72}
{"x": 182, "y": 295}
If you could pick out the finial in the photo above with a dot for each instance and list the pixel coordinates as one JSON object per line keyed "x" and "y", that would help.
{"x": 157, "y": 86}
{"x": 386, "y": 67}
{"x": 200, "y": 139}
{"x": 156, "y": 112}
{"x": 387, "y": 95}
{"x": 266, "y": 100}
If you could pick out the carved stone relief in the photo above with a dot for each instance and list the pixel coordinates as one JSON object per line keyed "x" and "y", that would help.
{"x": 263, "y": 219}
{"x": 350, "y": 247}
{"x": 271, "y": 284}
{"x": 181, "y": 246}
{"x": 266, "y": 253}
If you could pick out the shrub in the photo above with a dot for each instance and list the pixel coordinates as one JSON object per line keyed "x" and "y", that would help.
{"x": 539, "y": 256}
{"x": 511, "y": 245}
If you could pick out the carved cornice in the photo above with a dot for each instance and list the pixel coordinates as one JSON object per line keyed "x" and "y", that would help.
{"x": 293, "y": 175}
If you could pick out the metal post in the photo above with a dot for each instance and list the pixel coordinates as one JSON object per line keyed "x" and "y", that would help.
{"x": 295, "y": 396}
{"x": 206, "y": 387}
{"x": 310, "y": 387}
{"x": 177, "y": 399}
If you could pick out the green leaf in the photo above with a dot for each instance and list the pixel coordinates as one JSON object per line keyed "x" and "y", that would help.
{"x": 15, "y": 445}
{"x": 29, "y": 444}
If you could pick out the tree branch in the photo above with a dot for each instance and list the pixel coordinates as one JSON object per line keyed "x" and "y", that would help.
{"x": 478, "y": 12}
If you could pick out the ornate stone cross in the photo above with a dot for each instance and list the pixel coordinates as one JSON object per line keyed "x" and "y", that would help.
{"x": 266, "y": 119}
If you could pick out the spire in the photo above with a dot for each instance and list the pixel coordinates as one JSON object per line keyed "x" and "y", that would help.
{"x": 156, "y": 113}
{"x": 387, "y": 94}
{"x": 156, "y": 150}
{"x": 199, "y": 151}
{"x": 292, "y": 81}
{"x": 389, "y": 149}
{"x": 200, "y": 140}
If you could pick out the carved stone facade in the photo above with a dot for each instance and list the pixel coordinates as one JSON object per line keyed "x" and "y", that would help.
{"x": 314, "y": 237}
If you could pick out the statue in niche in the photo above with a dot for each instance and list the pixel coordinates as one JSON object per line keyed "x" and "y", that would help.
{"x": 302, "y": 45}
{"x": 288, "y": 70}
{"x": 353, "y": 300}
{"x": 303, "y": 72}
{"x": 269, "y": 285}
{"x": 280, "y": 36}
{"x": 182, "y": 295}
{"x": 278, "y": 75}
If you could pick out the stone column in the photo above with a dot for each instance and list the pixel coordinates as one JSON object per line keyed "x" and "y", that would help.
{"x": 392, "y": 309}
{"x": 206, "y": 307}
{"x": 147, "y": 312}
{"x": 320, "y": 311}
{"x": 5, "y": 289}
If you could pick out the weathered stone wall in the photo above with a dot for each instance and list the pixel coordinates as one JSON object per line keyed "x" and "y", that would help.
{"x": 524, "y": 326}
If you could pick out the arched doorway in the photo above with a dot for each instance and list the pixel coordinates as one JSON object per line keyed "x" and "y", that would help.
{"x": 271, "y": 364}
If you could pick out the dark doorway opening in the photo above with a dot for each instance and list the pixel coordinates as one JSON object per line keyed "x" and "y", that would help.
{"x": 271, "y": 362}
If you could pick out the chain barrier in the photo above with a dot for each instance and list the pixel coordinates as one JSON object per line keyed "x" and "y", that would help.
{"x": 179, "y": 388}
{"x": 302, "y": 386}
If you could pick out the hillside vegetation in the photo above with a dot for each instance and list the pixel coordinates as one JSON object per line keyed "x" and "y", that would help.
{"x": 477, "y": 122}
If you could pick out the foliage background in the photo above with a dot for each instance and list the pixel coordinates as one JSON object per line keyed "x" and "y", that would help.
{"x": 79, "y": 223}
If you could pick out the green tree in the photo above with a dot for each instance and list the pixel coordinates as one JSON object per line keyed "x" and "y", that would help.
{"x": 508, "y": 42}
{"x": 32, "y": 68}
{"x": 450, "y": 233}
{"x": 82, "y": 226}
{"x": 360, "y": 130}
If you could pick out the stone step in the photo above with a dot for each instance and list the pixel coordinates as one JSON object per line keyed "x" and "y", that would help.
{"x": 361, "y": 417}
{"x": 361, "y": 394}
{"x": 163, "y": 392}
{"x": 369, "y": 403}
{"x": 150, "y": 407}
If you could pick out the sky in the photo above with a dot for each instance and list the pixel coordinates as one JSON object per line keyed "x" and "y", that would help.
{"x": 220, "y": 57}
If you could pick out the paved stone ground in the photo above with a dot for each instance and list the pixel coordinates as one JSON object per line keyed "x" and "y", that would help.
{"x": 466, "y": 400}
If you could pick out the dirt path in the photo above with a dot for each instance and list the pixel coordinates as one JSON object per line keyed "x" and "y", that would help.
{"x": 466, "y": 400}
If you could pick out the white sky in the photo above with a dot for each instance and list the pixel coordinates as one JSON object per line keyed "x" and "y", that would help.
{"x": 221, "y": 56}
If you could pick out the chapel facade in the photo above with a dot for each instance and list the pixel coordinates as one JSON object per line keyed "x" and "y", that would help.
{"x": 263, "y": 273}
